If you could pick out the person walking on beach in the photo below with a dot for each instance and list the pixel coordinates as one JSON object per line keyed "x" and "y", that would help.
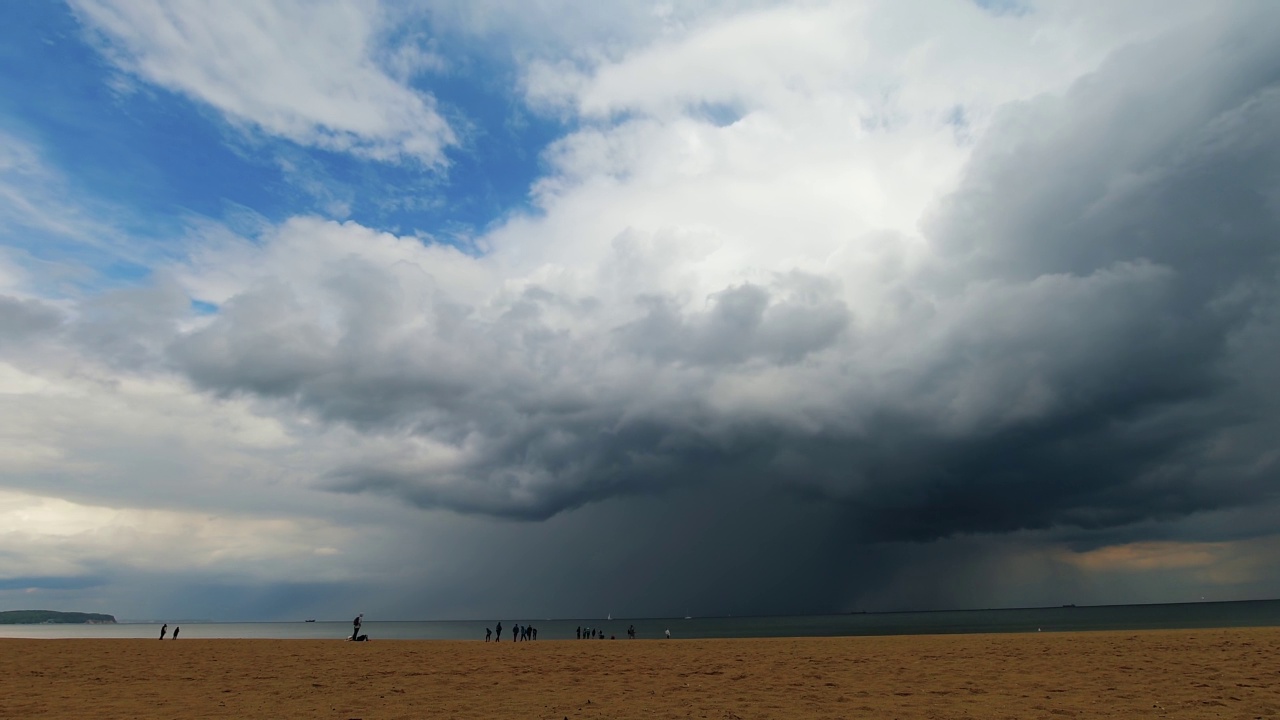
{"x": 175, "y": 632}
{"x": 579, "y": 632}
{"x": 497, "y": 636}
{"x": 163, "y": 630}
{"x": 355, "y": 632}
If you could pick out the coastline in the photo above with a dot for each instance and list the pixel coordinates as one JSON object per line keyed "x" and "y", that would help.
{"x": 1171, "y": 616}
{"x": 1120, "y": 674}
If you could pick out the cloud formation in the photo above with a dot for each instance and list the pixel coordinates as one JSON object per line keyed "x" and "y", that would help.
{"x": 856, "y": 310}
{"x": 1054, "y": 354}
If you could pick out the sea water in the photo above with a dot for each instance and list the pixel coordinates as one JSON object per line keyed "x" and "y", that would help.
{"x": 1059, "y": 619}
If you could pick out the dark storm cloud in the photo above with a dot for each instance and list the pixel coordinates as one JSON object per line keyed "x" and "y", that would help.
{"x": 1167, "y": 157}
{"x": 1084, "y": 354}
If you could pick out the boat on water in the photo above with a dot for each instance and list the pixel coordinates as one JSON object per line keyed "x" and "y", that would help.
{"x": 309, "y": 620}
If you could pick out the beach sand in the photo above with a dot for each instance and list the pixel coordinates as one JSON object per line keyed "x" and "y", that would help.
{"x": 1175, "y": 674}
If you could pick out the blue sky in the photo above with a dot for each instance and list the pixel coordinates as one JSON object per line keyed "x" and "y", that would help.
{"x": 733, "y": 307}
{"x": 154, "y": 160}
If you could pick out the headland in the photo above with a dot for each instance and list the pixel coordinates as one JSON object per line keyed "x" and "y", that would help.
{"x": 55, "y": 617}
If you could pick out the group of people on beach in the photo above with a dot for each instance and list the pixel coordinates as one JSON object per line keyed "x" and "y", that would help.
{"x": 518, "y": 634}
{"x": 164, "y": 629}
{"x": 589, "y": 633}
{"x": 528, "y": 632}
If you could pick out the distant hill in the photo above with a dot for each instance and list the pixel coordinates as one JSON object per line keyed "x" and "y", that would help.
{"x": 34, "y": 617}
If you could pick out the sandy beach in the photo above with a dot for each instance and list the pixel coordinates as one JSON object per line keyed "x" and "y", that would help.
{"x": 1179, "y": 674}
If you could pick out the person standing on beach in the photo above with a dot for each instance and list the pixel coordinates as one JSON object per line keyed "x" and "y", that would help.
{"x": 175, "y": 632}
{"x": 488, "y": 633}
{"x": 668, "y": 634}
{"x": 497, "y": 636}
{"x": 355, "y": 633}
{"x": 164, "y": 629}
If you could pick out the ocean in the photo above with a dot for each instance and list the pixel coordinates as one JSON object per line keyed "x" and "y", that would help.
{"x": 1057, "y": 619}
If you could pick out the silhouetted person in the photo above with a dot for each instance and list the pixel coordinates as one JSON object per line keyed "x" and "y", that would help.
{"x": 497, "y": 637}
{"x": 175, "y": 632}
{"x": 515, "y": 633}
{"x": 535, "y": 633}
{"x": 488, "y": 633}
{"x": 631, "y": 632}
{"x": 164, "y": 629}
{"x": 355, "y": 631}
{"x": 579, "y": 632}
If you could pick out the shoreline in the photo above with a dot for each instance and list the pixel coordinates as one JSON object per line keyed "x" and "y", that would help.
{"x": 1100, "y": 673}
{"x": 1236, "y": 614}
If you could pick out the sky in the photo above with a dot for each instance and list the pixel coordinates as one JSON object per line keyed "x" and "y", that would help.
{"x": 445, "y": 309}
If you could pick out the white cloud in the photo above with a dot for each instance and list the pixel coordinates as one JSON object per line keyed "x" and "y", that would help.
{"x": 302, "y": 71}
{"x": 51, "y": 537}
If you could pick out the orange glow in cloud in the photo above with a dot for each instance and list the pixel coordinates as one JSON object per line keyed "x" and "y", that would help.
{"x": 1150, "y": 556}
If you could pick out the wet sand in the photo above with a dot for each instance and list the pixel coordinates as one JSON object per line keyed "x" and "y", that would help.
{"x": 1174, "y": 674}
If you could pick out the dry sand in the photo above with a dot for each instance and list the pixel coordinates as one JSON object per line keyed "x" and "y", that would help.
{"x": 1176, "y": 674}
